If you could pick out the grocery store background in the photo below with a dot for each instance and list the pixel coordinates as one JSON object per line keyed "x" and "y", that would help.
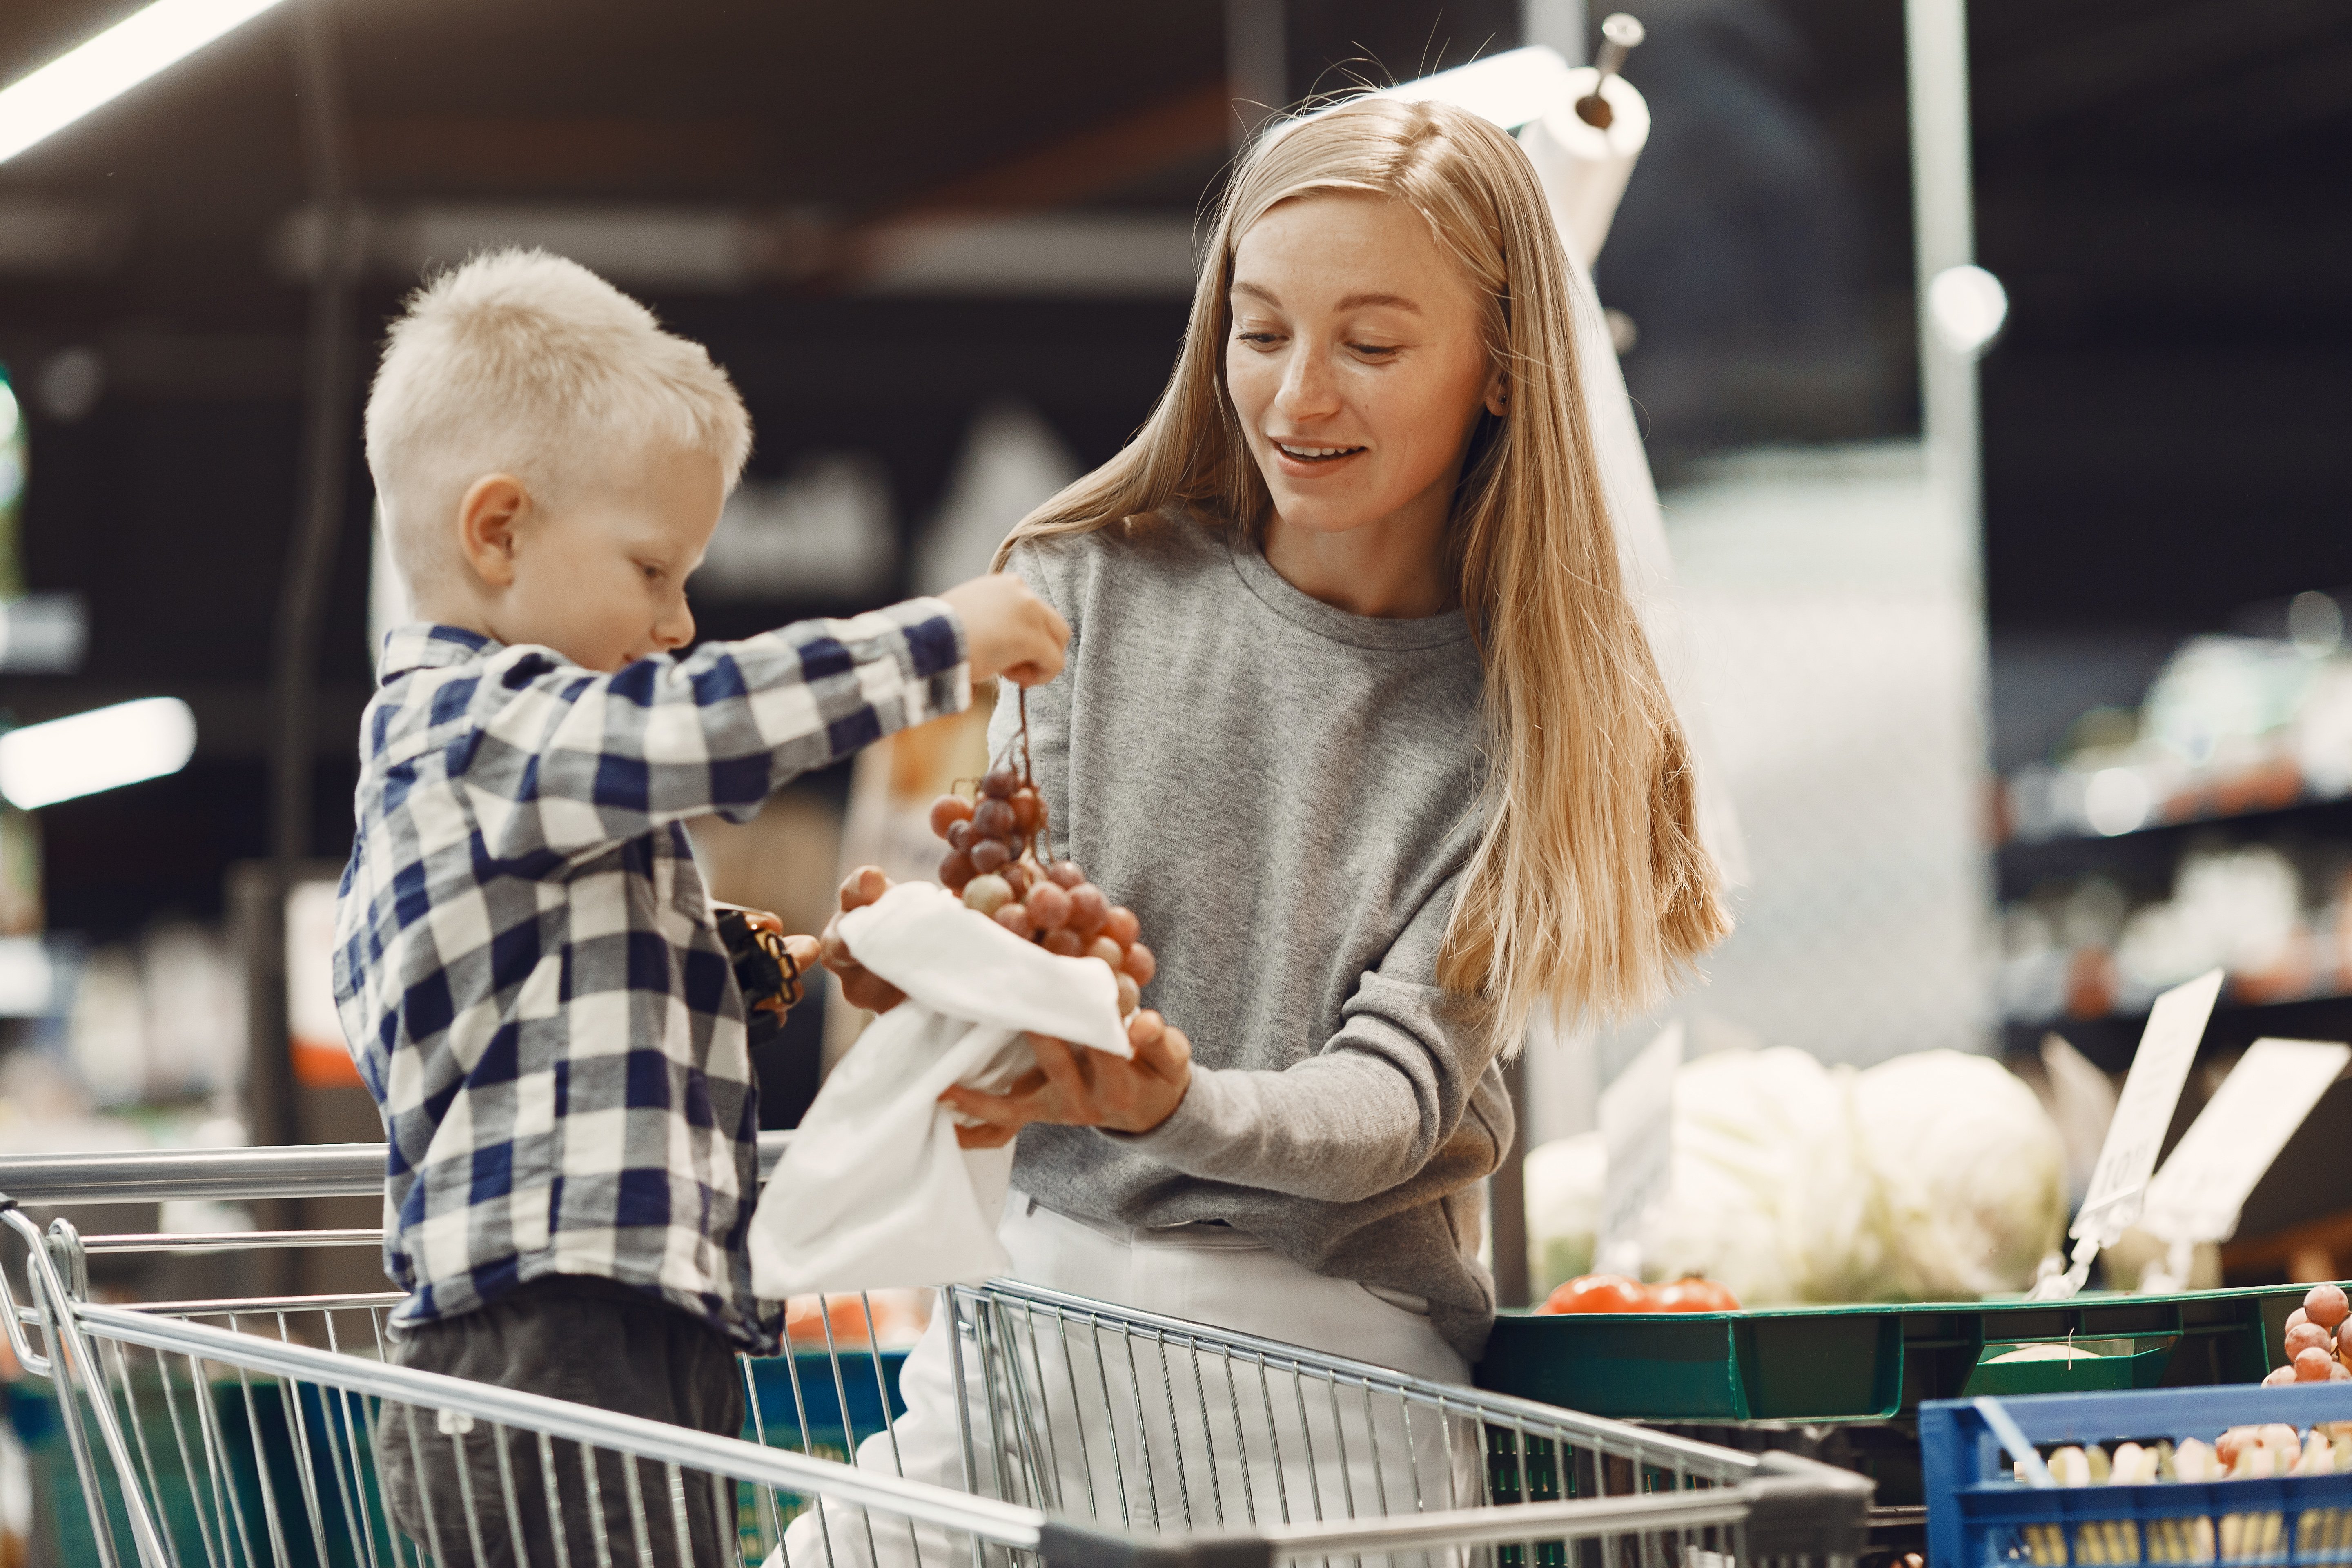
{"x": 1998, "y": 770}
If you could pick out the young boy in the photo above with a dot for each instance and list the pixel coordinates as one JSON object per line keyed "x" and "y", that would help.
{"x": 526, "y": 960}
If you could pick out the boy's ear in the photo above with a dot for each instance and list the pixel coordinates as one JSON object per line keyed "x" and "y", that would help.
{"x": 487, "y": 515}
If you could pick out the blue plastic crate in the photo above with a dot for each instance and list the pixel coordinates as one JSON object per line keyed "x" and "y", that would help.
{"x": 1978, "y": 1514}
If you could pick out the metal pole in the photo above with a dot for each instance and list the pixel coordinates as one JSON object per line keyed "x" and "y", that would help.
{"x": 327, "y": 409}
{"x": 1559, "y": 24}
{"x": 1942, "y": 206}
{"x": 1943, "y": 198}
{"x": 309, "y": 569}
{"x": 1258, "y": 64}
{"x": 1506, "y": 1195}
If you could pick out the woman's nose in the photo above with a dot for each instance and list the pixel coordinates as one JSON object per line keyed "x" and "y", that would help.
{"x": 1307, "y": 388}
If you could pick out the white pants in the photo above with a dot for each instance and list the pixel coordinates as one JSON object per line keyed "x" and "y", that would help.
{"x": 1134, "y": 1435}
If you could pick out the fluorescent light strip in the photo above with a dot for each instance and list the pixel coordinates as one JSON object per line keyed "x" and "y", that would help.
{"x": 111, "y": 64}
{"x": 105, "y": 747}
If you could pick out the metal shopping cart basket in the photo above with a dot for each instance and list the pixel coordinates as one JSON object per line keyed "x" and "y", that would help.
{"x": 231, "y": 1433}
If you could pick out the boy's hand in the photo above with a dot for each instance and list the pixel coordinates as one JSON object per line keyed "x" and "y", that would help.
{"x": 859, "y": 984}
{"x": 1079, "y": 1088}
{"x": 1008, "y": 630}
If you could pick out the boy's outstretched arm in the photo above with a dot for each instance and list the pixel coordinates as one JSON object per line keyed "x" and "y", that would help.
{"x": 564, "y": 761}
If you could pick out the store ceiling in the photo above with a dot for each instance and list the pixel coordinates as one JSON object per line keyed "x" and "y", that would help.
{"x": 2160, "y": 182}
{"x": 712, "y": 99}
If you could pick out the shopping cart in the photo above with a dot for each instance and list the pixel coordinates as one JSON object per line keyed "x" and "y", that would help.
{"x": 231, "y": 1433}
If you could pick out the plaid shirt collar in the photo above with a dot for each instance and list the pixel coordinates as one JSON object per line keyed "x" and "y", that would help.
{"x": 423, "y": 645}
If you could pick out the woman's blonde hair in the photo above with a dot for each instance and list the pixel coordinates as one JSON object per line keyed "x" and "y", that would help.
{"x": 1589, "y": 890}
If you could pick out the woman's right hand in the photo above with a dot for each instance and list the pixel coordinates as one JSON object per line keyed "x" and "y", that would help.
{"x": 1008, "y": 630}
{"x": 860, "y": 985}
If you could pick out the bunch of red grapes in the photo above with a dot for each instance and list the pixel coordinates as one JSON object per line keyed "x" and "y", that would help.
{"x": 993, "y": 861}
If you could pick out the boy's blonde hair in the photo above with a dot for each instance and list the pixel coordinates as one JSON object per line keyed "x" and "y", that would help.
{"x": 527, "y": 363}
{"x": 1590, "y": 891}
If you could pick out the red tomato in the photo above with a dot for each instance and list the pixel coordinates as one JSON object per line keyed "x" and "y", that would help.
{"x": 1691, "y": 1296}
{"x": 1599, "y": 1293}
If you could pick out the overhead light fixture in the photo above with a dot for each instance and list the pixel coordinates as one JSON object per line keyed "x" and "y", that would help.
{"x": 111, "y": 64}
{"x": 105, "y": 747}
{"x": 1967, "y": 306}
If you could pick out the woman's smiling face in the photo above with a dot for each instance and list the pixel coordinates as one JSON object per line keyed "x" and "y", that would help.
{"x": 1356, "y": 362}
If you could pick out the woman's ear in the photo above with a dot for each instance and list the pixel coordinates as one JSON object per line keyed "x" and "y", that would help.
{"x": 487, "y": 516}
{"x": 1498, "y": 393}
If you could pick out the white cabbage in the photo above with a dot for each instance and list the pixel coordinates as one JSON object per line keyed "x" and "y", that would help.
{"x": 1936, "y": 1176}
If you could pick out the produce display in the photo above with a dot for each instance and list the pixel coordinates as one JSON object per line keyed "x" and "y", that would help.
{"x": 2318, "y": 1345}
{"x": 1935, "y": 1176}
{"x": 993, "y": 860}
{"x": 2318, "y": 1340}
{"x": 2259, "y": 1533}
{"x": 1616, "y": 1293}
{"x": 2243, "y": 1453}
{"x": 888, "y": 1319}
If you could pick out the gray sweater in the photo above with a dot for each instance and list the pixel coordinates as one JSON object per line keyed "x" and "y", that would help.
{"x": 1286, "y": 795}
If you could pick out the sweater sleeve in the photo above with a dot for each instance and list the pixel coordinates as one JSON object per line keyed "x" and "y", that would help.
{"x": 1361, "y": 1116}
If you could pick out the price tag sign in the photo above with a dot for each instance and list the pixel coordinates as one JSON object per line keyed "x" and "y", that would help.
{"x": 2213, "y": 1170}
{"x": 2144, "y": 1111}
{"x": 1637, "y": 1127}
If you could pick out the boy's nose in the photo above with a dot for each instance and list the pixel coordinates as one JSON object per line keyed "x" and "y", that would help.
{"x": 675, "y": 629}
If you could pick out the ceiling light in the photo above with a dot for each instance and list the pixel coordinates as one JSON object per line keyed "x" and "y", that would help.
{"x": 111, "y": 64}
{"x": 106, "y": 748}
{"x": 1966, "y": 306}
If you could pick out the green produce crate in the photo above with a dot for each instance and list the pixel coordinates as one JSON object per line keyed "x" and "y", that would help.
{"x": 1872, "y": 1363}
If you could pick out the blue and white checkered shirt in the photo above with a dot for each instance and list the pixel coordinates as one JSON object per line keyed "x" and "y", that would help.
{"x": 526, "y": 960}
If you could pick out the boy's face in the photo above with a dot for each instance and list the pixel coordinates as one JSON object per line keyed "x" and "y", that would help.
{"x": 603, "y": 580}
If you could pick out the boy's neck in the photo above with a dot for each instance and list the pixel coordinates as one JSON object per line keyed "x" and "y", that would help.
{"x": 442, "y": 610}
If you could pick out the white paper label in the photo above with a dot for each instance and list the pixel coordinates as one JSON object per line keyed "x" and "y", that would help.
{"x": 1637, "y": 1126}
{"x": 2213, "y": 1170}
{"x": 2143, "y": 1111}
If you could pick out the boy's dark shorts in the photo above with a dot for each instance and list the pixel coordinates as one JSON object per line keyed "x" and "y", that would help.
{"x": 591, "y": 1340}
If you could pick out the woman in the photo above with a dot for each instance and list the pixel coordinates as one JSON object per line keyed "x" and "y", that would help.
{"x": 1360, "y": 721}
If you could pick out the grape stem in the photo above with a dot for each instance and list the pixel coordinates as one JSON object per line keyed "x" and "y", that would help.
{"x": 1028, "y": 772}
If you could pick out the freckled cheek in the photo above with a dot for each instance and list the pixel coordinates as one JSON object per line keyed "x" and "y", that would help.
{"x": 1252, "y": 386}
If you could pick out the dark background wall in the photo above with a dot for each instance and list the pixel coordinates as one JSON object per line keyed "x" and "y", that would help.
{"x": 2160, "y": 183}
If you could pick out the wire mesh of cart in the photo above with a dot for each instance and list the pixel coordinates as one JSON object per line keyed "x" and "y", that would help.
{"x": 232, "y": 1432}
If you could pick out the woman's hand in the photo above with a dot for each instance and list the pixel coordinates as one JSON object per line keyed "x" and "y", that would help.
{"x": 1079, "y": 1087}
{"x": 861, "y": 985}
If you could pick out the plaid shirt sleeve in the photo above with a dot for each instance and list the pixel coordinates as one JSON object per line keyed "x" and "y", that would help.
{"x": 526, "y": 963}
{"x": 562, "y": 761}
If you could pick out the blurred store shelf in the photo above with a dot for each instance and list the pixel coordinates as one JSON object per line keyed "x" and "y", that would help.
{"x": 2109, "y": 1039}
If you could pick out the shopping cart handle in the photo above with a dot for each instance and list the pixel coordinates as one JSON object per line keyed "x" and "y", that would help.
{"x": 153, "y": 1175}
{"x": 1065, "y": 1545}
{"x": 1803, "y": 1508}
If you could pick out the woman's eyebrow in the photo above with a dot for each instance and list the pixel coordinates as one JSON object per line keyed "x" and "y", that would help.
{"x": 1352, "y": 302}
